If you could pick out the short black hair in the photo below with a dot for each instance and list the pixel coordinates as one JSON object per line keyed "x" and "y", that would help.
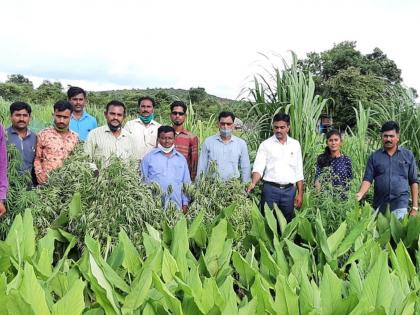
{"x": 75, "y": 90}
{"x": 179, "y": 103}
{"x": 61, "y": 106}
{"x": 16, "y": 106}
{"x": 226, "y": 114}
{"x": 165, "y": 129}
{"x": 148, "y": 98}
{"x": 390, "y": 125}
{"x": 282, "y": 117}
{"x": 115, "y": 103}
{"x": 332, "y": 132}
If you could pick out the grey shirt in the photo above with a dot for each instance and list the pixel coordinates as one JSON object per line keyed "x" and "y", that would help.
{"x": 392, "y": 176}
{"x": 26, "y": 147}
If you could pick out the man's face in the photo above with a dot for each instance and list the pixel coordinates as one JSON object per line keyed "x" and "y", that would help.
{"x": 226, "y": 123}
{"x": 78, "y": 101}
{"x": 62, "y": 119}
{"x": 115, "y": 115}
{"x": 280, "y": 129}
{"x": 178, "y": 115}
{"x": 20, "y": 119}
{"x": 146, "y": 108}
{"x": 166, "y": 139}
{"x": 390, "y": 139}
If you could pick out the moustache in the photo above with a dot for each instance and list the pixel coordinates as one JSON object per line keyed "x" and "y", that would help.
{"x": 388, "y": 142}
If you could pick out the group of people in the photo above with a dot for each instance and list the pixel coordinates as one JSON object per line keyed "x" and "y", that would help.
{"x": 170, "y": 155}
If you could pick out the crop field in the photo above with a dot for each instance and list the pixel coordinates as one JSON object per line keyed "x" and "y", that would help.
{"x": 88, "y": 243}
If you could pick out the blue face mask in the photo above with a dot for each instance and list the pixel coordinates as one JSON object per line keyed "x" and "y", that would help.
{"x": 225, "y": 133}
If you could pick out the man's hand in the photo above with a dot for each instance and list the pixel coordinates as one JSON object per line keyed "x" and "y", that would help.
{"x": 298, "y": 201}
{"x": 184, "y": 209}
{"x": 2, "y": 209}
{"x": 250, "y": 188}
{"x": 359, "y": 196}
{"x": 414, "y": 211}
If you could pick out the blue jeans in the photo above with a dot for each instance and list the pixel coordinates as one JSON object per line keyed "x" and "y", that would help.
{"x": 284, "y": 198}
{"x": 400, "y": 212}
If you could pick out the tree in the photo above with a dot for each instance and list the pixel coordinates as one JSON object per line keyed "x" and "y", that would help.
{"x": 49, "y": 92}
{"x": 197, "y": 95}
{"x": 346, "y": 76}
{"x": 19, "y": 79}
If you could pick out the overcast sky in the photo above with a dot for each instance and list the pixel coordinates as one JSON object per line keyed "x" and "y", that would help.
{"x": 213, "y": 44}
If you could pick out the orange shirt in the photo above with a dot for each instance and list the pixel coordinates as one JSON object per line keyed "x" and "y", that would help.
{"x": 52, "y": 149}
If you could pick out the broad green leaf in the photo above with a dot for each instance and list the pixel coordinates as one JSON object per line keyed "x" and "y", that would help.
{"x": 280, "y": 218}
{"x": 377, "y": 287}
{"x": 28, "y": 235}
{"x": 397, "y": 230}
{"x": 350, "y": 239}
{"x": 244, "y": 269}
{"x": 5, "y": 254}
{"x": 258, "y": 227}
{"x": 355, "y": 280}
{"x": 250, "y": 308}
{"x": 169, "y": 266}
{"x": 180, "y": 246}
{"x": 211, "y": 297}
{"x": 268, "y": 266}
{"x": 335, "y": 239}
{"x": 321, "y": 237}
{"x": 407, "y": 307}
{"x": 286, "y": 301}
{"x": 16, "y": 305}
{"x": 196, "y": 231}
{"x": 271, "y": 221}
{"x": 71, "y": 303}
{"x": 404, "y": 261}
{"x": 138, "y": 293}
{"x": 309, "y": 295}
{"x": 330, "y": 288}
{"x": 171, "y": 302}
{"x": 265, "y": 302}
{"x": 3, "y": 297}
{"x": 15, "y": 239}
{"x": 281, "y": 260}
{"x": 305, "y": 230}
{"x": 131, "y": 260}
{"x": 75, "y": 206}
{"x": 32, "y": 292}
{"x": 103, "y": 290}
{"x": 300, "y": 258}
{"x": 229, "y": 296}
{"x": 215, "y": 247}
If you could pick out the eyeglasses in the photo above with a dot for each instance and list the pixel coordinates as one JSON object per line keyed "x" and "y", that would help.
{"x": 178, "y": 113}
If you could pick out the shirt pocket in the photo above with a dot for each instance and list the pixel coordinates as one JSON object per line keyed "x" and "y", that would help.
{"x": 402, "y": 168}
{"x": 178, "y": 173}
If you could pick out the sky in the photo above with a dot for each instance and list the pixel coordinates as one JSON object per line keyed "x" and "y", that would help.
{"x": 218, "y": 45}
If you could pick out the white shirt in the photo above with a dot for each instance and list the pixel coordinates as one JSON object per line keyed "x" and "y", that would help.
{"x": 101, "y": 143}
{"x": 279, "y": 163}
{"x": 145, "y": 136}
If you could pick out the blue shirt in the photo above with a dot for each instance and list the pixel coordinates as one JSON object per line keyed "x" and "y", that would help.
{"x": 228, "y": 156}
{"x": 83, "y": 125}
{"x": 26, "y": 147}
{"x": 392, "y": 176}
{"x": 167, "y": 170}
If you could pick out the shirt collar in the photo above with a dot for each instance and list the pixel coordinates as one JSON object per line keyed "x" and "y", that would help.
{"x": 152, "y": 122}
{"x": 84, "y": 115}
{"x": 232, "y": 138}
{"x": 278, "y": 141}
{"x": 123, "y": 131}
{"x": 183, "y": 130}
{"x": 12, "y": 130}
{"x": 174, "y": 151}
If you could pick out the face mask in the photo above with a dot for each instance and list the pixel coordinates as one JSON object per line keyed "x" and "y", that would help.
{"x": 166, "y": 150}
{"x": 225, "y": 133}
{"x": 146, "y": 120}
{"x": 61, "y": 129}
{"x": 114, "y": 128}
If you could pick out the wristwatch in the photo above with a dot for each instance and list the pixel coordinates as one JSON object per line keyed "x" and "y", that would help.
{"x": 415, "y": 208}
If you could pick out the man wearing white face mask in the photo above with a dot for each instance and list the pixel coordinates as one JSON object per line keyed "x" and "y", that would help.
{"x": 167, "y": 167}
{"x": 229, "y": 152}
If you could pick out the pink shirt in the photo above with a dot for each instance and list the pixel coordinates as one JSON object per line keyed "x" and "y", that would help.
{"x": 52, "y": 149}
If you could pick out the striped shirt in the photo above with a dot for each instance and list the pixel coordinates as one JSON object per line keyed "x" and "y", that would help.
{"x": 145, "y": 136}
{"x": 229, "y": 157}
{"x": 186, "y": 143}
{"x": 102, "y": 144}
{"x": 52, "y": 148}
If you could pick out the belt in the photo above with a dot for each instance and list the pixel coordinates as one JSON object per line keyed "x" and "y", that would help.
{"x": 278, "y": 185}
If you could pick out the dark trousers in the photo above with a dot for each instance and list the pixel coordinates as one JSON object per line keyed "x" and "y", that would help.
{"x": 284, "y": 198}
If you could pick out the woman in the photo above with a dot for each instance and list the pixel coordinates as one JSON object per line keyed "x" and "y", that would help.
{"x": 332, "y": 166}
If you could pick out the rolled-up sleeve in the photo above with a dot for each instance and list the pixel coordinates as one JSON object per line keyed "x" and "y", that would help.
{"x": 245, "y": 164}
{"x": 260, "y": 160}
{"x": 413, "y": 177}
{"x": 369, "y": 170}
{"x": 3, "y": 165}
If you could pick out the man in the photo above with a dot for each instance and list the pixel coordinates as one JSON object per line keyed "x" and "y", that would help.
{"x": 392, "y": 169}
{"x": 167, "y": 167}
{"x": 3, "y": 173}
{"x": 229, "y": 151}
{"x": 19, "y": 135}
{"x": 54, "y": 144}
{"x": 144, "y": 128}
{"x": 81, "y": 122}
{"x": 111, "y": 139}
{"x": 279, "y": 164}
{"x": 186, "y": 142}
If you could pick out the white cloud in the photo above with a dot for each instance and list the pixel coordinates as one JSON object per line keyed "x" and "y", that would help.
{"x": 213, "y": 44}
